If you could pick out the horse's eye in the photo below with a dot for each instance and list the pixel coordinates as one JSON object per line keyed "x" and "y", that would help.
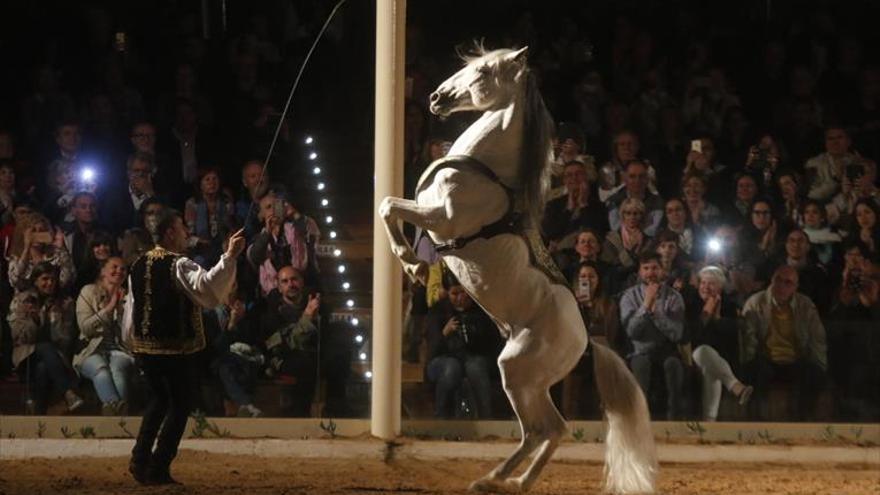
{"x": 484, "y": 69}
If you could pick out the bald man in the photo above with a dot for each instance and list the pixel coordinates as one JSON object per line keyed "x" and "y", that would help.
{"x": 784, "y": 340}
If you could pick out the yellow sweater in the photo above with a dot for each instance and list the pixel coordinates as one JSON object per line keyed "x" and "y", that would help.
{"x": 781, "y": 345}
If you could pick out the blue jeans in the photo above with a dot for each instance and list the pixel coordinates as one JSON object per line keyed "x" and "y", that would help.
{"x": 109, "y": 373}
{"x": 238, "y": 377}
{"x": 447, "y": 373}
{"x": 44, "y": 368}
{"x": 642, "y": 366}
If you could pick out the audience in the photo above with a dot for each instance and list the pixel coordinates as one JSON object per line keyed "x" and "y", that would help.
{"x": 764, "y": 176}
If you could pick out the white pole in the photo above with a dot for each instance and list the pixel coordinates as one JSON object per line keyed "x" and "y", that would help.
{"x": 387, "y": 275}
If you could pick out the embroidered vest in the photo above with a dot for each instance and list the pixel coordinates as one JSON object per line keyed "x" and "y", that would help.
{"x": 165, "y": 320}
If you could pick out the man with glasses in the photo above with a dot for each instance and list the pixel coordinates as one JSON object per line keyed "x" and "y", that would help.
{"x": 140, "y": 173}
{"x": 783, "y": 340}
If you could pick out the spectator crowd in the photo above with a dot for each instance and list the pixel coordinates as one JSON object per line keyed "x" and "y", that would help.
{"x": 716, "y": 215}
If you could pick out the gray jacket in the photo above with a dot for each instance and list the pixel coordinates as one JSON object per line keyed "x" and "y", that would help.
{"x": 652, "y": 331}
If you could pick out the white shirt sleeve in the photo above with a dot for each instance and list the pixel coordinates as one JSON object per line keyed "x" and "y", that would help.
{"x": 207, "y": 288}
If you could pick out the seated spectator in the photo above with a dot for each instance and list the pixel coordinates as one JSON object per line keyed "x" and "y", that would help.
{"x": 104, "y": 360}
{"x": 80, "y": 232}
{"x": 790, "y": 201}
{"x": 35, "y": 241}
{"x": 826, "y": 171}
{"x": 101, "y": 247}
{"x": 859, "y": 182}
{"x": 239, "y": 358}
{"x": 812, "y": 276}
{"x": 775, "y": 345}
{"x": 587, "y": 248}
{"x": 570, "y": 149}
{"x": 712, "y": 328}
{"x": 598, "y": 308}
{"x": 254, "y": 188}
{"x": 574, "y": 211}
{"x": 676, "y": 267}
{"x": 739, "y": 271}
{"x": 740, "y": 210}
{"x": 42, "y": 326}
{"x": 622, "y": 247}
{"x": 852, "y": 344}
{"x": 677, "y": 219}
{"x": 703, "y": 214}
{"x": 652, "y": 314}
{"x": 763, "y": 160}
{"x": 823, "y": 239}
{"x": 123, "y": 206}
{"x": 716, "y": 176}
{"x": 8, "y": 193}
{"x": 764, "y": 235}
{"x": 462, "y": 343}
{"x": 210, "y": 219}
{"x": 624, "y": 149}
{"x": 866, "y": 227}
{"x": 61, "y": 186}
{"x": 288, "y": 238}
{"x": 140, "y": 239}
{"x": 289, "y": 325}
{"x": 635, "y": 180}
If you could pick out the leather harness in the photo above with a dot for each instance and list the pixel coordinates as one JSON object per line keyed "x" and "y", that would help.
{"x": 509, "y": 223}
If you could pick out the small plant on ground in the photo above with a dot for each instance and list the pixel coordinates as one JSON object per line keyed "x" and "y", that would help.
{"x": 330, "y": 427}
{"x": 66, "y": 432}
{"x": 41, "y": 429}
{"x": 87, "y": 432}
{"x": 578, "y": 434}
{"x": 766, "y": 436}
{"x": 122, "y": 425}
{"x": 696, "y": 428}
{"x": 203, "y": 426}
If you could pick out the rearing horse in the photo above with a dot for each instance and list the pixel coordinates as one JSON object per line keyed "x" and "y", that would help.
{"x": 481, "y": 205}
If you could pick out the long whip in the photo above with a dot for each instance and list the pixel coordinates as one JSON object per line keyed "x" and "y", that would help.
{"x": 302, "y": 69}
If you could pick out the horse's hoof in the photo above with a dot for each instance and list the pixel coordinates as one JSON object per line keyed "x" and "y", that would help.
{"x": 493, "y": 485}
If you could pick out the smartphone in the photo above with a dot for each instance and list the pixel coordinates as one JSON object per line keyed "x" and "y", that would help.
{"x": 697, "y": 145}
{"x": 583, "y": 288}
{"x": 41, "y": 238}
{"x": 119, "y": 41}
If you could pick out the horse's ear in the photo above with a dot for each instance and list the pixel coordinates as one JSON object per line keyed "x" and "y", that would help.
{"x": 520, "y": 55}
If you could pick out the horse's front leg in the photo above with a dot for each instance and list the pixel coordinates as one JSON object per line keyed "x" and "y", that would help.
{"x": 391, "y": 210}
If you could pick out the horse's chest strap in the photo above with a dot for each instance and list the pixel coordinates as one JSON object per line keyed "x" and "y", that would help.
{"x": 510, "y": 223}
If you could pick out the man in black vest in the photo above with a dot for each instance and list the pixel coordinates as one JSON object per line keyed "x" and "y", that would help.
{"x": 163, "y": 323}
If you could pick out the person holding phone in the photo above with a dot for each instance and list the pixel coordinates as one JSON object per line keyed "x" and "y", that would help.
{"x": 598, "y": 310}
{"x": 36, "y": 241}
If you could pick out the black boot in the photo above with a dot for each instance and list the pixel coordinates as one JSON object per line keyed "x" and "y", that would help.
{"x": 160, "y": 475}
{"x": 139, "y": 472}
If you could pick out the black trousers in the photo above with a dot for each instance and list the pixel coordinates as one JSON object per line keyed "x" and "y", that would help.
{"x": 172, "y": 384}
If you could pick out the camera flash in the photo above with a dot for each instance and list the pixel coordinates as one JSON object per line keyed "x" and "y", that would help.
{"x": 714, "y": 245}
{"x": 87, "y": 174}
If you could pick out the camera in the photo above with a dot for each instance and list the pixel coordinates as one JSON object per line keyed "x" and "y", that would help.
{"x": 854, "y": 282}
{"x": 854, "y": 171}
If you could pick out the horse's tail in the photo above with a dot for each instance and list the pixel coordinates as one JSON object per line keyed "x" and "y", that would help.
{"x": 630, "y": 455}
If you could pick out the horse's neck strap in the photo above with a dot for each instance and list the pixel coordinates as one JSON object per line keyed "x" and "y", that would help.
{"x": 510, "y": 223}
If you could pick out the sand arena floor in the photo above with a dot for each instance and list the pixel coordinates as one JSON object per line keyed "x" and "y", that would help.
{"x": 221, "y": 474}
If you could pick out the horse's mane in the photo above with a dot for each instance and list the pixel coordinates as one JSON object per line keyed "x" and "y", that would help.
{"x": 535, "y": 153}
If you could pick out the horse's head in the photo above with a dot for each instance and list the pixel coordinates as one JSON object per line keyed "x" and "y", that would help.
{"x": 487, "y": 82}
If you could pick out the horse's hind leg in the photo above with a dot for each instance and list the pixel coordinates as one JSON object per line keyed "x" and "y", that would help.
{"x": 541, "y": 426}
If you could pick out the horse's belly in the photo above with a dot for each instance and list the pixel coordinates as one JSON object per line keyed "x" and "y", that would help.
{"x": 498, "y": 274}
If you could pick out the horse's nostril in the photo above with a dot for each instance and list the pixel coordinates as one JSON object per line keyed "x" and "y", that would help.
{"x": 434, "y": 97}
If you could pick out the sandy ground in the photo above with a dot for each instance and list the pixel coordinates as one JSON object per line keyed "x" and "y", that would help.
{"x": 216, "y": 474}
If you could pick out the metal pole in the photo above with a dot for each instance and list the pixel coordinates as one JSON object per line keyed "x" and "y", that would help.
{"x": 387, "y": 277}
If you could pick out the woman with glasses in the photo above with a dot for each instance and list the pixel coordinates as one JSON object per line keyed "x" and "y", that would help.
{"x": 622, "y": 246}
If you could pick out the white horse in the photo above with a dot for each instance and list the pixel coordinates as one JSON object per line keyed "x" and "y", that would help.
{"x": 481, "y": 205}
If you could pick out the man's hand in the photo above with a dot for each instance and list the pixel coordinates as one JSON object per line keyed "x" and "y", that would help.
{"x": 273, "y": 225}
{"x": 451, "y": 326}
{"x": 651, "y": 295}
{"x": 313, "y": 305}
{"x": 235, "y": 245}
